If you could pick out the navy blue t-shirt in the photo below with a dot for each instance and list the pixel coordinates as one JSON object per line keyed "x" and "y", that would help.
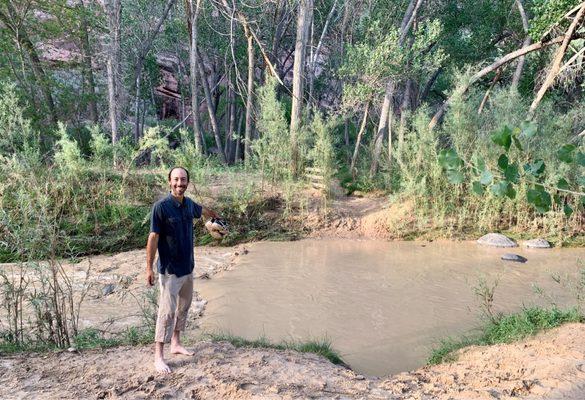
{"x": 173, "y": 221}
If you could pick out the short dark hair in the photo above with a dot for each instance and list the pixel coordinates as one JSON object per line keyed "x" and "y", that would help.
{"x": 178, "y": 167}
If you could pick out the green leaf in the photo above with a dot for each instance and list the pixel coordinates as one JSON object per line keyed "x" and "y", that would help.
{"x": 486, "y": 177}
{"x": 455, "y": 176}
{"x": 499, "y": 189}
{"x": 478, "y": 188}
{"x": 567, "y": 210}
{"x": 511, "y": 173}
{"x": 580, "y": 158}
{"x": 536, "y": 168}
{"x": 539, "y": 198}
{"x": 517, "y": 143}
{"x": 557, "y": 199}
{"x": 503, "y": 138}
{"x": 528, "y": 129}
{"x": 563, "y": 184}
{"x": 510, "y": 191}
{"x": 503, "y": 162}
{"x": 565, "y": 153}
{"x": 449, "y": 159}
{"x": 581, "y": 182}
{"x": 479, "y": 163}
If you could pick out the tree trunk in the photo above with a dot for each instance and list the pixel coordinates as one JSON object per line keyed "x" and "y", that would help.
{"x": 249, "y": 99}
{"x": 359, "y": 140}
{"x": 193, "y": 14}
{"x": 303, "y": 25}
{"x": 112, "y": 101}
{"x": 22, "y": 39}
{"x": 315, "y": 57}
{"x": 344, "y": 23}
{"x": 429, "y": 84}
{"x": 407, "y": 22}
{"x": 487, "y": 92}
{"x": 238, "y": 155}
{"x": 86, "y": 68}
{"x": 382, "y": 126}
{"x": 211, "y": 111}
{"x": 231, "y": 122}
{"x": 114, "y": 11}
{"x": 390, "y": 122}
{"x": 142, "y": 53}
{"x": 404, "y": 109}
{"x": 526, "y": 43}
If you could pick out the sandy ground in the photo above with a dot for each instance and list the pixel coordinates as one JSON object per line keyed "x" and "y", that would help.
{"x": 548, "y": 367}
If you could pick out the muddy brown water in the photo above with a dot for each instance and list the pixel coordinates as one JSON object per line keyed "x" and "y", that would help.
{"x": 383, "y": 305}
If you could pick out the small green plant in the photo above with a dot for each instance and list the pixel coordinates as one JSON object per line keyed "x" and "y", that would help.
{"x": 321, "y": 347}
{"x": 102, "y": 150}
{"x": 68, "y": 156}
{"x": 485, "y": 292}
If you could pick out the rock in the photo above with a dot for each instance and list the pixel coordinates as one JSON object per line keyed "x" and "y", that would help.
{"x": 496, "y": 240}
{"x": 71, "y": 349}
{"x": 514, "y": 258}
{"x": 198, "y": 307}
{"x": 537, "y": 244}
{"x": 108, "y": 289}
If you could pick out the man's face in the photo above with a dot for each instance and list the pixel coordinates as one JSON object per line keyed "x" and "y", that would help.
{"x": 178, "y": 182}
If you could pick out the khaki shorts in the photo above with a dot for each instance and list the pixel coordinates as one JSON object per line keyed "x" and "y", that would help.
{"x": 175, "y": 299}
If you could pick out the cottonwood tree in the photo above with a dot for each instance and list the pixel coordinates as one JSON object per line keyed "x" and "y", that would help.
{"x": 15, "y": 20}
{"x": 304, "y": 20}
{"x": 113, "y": 9}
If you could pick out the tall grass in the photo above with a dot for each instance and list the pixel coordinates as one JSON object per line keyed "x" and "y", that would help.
{"x": 320, "y": 347}
{"x": 507, "y": 329}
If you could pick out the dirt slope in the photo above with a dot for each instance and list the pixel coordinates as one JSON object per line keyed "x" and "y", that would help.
{"x": 548, "y": 367}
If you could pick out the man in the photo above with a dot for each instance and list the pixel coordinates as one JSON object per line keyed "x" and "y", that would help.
{"x": 171, "y": 233}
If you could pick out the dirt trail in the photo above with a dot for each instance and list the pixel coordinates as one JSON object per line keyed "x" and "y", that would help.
{"x": 548, "y": 367}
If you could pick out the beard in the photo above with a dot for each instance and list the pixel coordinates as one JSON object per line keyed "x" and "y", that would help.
{"x": 179, "y": 189}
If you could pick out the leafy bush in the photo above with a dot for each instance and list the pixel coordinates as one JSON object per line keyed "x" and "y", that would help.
{"x": 447, "y": 171}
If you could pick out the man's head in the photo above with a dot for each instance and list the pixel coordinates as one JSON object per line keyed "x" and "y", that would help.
{"x": 178, "y": 181}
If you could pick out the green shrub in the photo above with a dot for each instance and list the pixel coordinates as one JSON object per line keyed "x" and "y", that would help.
{"x": 507, "y": 329}
{"x": 272, "y": 148}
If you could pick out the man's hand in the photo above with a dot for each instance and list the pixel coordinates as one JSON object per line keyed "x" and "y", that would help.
{"x": 149, "y": 277}
{"x": 151, "y": 247}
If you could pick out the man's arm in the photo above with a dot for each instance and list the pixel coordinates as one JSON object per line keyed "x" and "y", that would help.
{"x": 151, "y": 247}
{"x": 208, "y": 213}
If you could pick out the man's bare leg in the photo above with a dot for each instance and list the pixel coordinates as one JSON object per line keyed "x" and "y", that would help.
{"x": 159, "y": 360}
{"x": 177, "y": 347}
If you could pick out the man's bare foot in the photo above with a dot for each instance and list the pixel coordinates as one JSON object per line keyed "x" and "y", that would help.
{"x": 179, "y": 349}
{"x": 161, "y": 366}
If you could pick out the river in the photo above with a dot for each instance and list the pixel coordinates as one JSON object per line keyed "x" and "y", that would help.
{"x": 383, "y": 305}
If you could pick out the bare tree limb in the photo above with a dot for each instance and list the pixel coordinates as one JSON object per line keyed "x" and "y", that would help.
{"x": 492, "y": 67}
{"x": 487, "y": 93}
{"x": 526, "y": 43}
{"x": 556, "y": 64}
